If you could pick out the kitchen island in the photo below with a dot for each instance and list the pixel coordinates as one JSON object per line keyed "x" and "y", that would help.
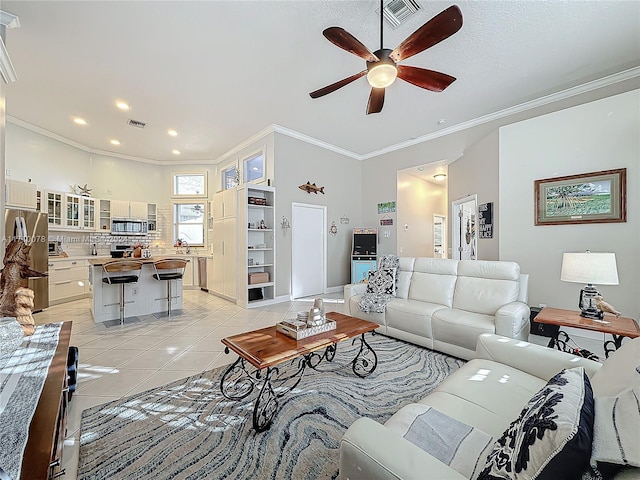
{"x": 146, "y": 297}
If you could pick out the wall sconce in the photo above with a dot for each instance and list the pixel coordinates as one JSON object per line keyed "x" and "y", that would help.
{"x": 285, "y": 223}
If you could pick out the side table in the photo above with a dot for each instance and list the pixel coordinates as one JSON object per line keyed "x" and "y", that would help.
{"x": 617, "y": 327}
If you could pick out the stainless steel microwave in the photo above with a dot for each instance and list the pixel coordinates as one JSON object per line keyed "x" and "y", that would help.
{"x": 128, "y": 226}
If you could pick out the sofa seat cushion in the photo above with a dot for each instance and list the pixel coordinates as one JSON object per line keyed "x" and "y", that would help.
{"x": 460, "y": 327}
{"x": 411, "y": 316}
{"x": 485, "y": 394}
{"x": 457, "y": 445}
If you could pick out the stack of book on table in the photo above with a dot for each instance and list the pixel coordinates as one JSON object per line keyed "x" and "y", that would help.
{"x": 299, "y": 330}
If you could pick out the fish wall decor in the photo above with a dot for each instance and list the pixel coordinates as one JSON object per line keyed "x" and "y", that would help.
{"x": 311, "y": 188}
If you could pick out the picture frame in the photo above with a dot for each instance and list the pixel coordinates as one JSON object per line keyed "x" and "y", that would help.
{"x": 594, "y": 197}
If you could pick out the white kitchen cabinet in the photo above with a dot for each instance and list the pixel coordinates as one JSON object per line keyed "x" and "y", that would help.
{"x": 119, "y": 208}
{"x": 223, "y": 270}
{"x": 80, "y": 212}
{"x": 68, "y": 280}
{"x": 138, "y": 210}
{"x": 256, "y": 244}
{"x": 54, "y": 202}
{"x": 224, "y": 204}
{"x": 20, "y": 194}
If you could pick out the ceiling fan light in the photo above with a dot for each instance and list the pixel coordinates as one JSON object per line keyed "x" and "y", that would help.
{"x": 382, "y": 75}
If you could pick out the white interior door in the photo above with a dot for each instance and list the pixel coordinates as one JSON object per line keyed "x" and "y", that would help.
{"x": 465, "y": 232}
{"x": 308, "y": 250}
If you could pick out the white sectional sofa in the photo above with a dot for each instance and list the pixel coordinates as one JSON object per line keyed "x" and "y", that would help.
{"x": 488, "y": 393}
{"x": 446, "y": 304}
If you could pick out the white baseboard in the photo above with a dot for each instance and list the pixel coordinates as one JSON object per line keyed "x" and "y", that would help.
{"x": 338, "y": 289}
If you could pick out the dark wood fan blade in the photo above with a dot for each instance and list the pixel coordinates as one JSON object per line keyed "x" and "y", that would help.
{"x": 343, "y": 39}
{"x": 421, "y": 77}
{"x": 442, "y": 26}
{"x": 376, "y": 100}
{"x": 335, "y": 86}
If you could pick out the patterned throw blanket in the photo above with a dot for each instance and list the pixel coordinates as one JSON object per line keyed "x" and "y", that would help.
{"x": 22, "y": 376}
{"x": 381, "y": 286}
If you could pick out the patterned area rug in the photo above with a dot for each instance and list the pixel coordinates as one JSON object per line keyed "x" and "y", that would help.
{"x": 188, "y": 430}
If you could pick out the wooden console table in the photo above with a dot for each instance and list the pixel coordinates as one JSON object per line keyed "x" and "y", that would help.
{"x": 43, "y": 453}
{"x": 617, "y": 327}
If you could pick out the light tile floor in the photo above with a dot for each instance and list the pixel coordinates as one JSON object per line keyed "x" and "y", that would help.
{"x": 120, "y": 361}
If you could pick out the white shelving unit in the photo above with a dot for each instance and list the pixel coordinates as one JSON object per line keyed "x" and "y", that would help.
{"x": 256, "y": 246}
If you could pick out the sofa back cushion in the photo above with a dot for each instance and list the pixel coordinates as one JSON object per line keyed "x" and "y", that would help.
{"x": 485, "y": 286}
{"x": 433, "y": 280}
{"x": 403, "y": 277}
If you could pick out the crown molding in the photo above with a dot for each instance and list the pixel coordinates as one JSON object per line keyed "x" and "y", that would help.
{"x": 9, "y": 20}
{"x": 314, "y": 141}
{"x": 7, "y": 71}
{"x": 538, "y": 102}
{"x": 274, "y": 128}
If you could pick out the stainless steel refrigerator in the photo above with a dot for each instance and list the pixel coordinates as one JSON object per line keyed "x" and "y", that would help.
{"x": 33, "y": 228}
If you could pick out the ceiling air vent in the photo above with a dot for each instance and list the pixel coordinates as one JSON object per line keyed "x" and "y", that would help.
{"x": 136, "y": 123}
{"x": 396, "y": 12}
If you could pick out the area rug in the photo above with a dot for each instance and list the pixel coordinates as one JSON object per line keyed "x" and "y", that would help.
{"x": 188, "y": 430}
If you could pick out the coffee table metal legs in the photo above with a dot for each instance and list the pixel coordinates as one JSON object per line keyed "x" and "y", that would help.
{"x": 366, "y": 360}
{"x": 237, "y": 382}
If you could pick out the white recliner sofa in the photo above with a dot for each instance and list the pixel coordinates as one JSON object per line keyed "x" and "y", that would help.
{"x": 446, "y": 304}
{"x": 488, "y": 393}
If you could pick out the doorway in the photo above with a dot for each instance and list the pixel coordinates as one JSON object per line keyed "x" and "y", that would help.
{"x": 464, "y": 233}
{"x": 308, "y": 250}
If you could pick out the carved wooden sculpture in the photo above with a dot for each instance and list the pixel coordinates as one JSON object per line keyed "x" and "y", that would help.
{"x": 14, "y": 275}
{"x": 24, "y": 306}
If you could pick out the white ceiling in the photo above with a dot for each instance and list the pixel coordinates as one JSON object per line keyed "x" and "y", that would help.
{"x": 220, "y": 71}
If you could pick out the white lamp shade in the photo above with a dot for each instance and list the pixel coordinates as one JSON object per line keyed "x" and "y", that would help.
{"x": 588, "y": 267}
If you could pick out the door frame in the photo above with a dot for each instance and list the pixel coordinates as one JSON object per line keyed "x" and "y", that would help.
{"x": 324, "y": 244}
{"x": 444, "y": 222}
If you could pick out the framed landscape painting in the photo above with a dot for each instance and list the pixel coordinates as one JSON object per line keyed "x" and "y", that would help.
{"x": 597, "y": 197}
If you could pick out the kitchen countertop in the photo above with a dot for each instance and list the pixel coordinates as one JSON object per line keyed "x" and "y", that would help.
{"x": 99, "y": 261}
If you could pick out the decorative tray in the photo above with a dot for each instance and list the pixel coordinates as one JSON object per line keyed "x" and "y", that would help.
{"x": 282, "y": 327}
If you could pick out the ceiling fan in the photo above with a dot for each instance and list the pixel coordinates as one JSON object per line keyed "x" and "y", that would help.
{"x": 382, "y": 65}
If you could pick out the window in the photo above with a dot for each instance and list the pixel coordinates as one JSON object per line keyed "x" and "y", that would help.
{"x": 253, "y": 167}
{"x": 230, "y": 177}
{"x": 189, "y": 185}
{"x": 188, "y": 224}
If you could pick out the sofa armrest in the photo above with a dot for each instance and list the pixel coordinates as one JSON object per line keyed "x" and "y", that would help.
{"x": 353, "y": 289}
{"x": 542, "y": 362}
{"x": 512, "y": 320}
{"x": 370, "y": 451}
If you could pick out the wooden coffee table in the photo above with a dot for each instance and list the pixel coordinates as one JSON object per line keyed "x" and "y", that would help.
{"x": 267, "y": 348}
{"x": 617, "y": 327}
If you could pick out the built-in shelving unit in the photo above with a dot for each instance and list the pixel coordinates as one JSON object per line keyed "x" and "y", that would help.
{"x": 256, "y": 255}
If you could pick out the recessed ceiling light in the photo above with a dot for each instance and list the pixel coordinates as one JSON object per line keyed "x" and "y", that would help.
{"x": 123, "y": 105}
{"x": 79, "y": 121}
{"x": 439, "y": 177}
{"x": 441, "y": 121}
{"x": 173, "y": 133}
{"x": 115, "y": 142}
{"x": 421, "y": 169}
{"x": 175, "y": 152}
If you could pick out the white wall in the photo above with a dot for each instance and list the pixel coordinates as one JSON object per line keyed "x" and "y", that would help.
{"x": 596, "y": 136}
{"x": 299, "y": 162}
{"x": 418, "y": 201}
{"x": 476, "y": 172}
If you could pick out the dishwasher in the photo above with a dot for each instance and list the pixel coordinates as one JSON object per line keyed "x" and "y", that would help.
{"x": 202, "y": 273}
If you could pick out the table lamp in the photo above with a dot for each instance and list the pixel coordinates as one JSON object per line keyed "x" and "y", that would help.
{"x": 588, "y": 267}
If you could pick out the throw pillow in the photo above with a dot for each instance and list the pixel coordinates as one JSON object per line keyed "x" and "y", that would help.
{"x": 382, "y": 282}
{"x": 551, "y": 439}
{"x": 616, "y": 429}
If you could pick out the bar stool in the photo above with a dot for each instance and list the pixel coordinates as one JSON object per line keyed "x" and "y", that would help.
{"x": 113, "y": 275}
{"x": 177, "y": 266}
